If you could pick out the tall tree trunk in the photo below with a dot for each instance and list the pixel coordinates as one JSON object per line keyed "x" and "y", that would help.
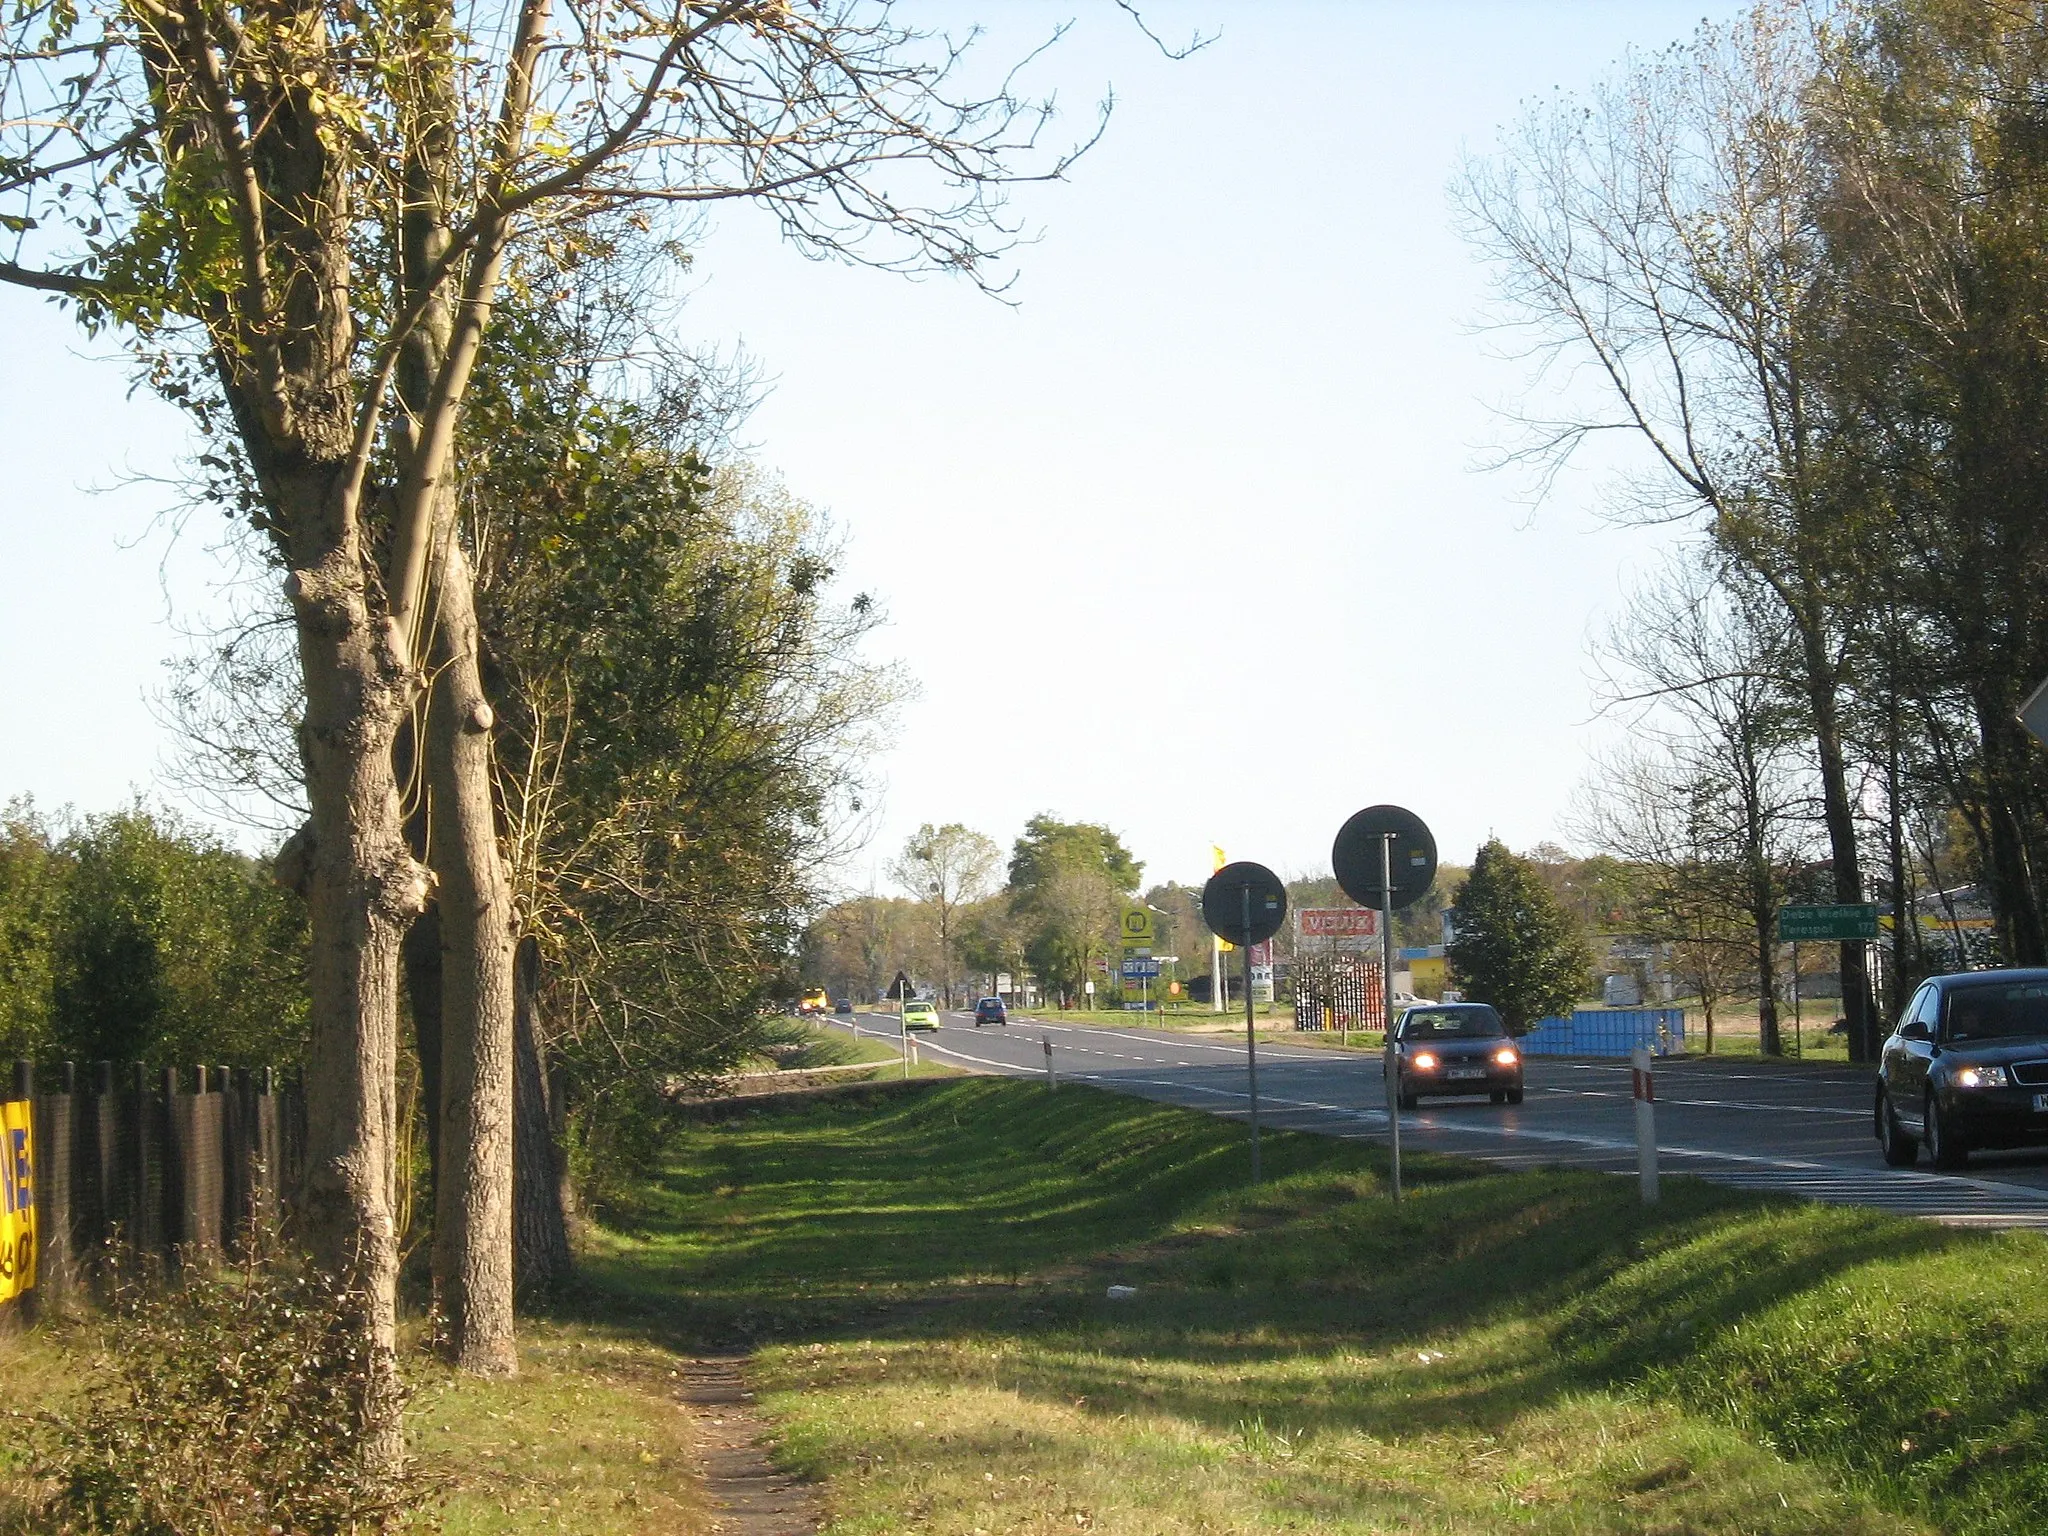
{"x": 1822, "y": 689}
{"x": 423, "y": 992}
{"x": 1905, "y": 966}
{"x": 473, "y": 1201}
{"x": 363, "y": 889}
{"x": 2015, "y": 897}
{"x": 542, "y": 1259}
{"x": 1765, "y": 920}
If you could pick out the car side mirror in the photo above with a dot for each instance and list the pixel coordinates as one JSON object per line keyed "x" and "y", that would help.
{"x": 1915, "y": 1029}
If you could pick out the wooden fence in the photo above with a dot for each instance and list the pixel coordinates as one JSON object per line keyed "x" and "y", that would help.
{"x": 173, "y": 1165}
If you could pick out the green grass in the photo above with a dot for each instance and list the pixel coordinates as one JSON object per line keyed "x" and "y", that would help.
{"x": 587, "y": 1438}
{"x": 922, "y": 1269}
{"x": 925, "y": 1270}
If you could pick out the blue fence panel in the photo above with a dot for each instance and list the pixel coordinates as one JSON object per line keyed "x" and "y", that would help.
{"x": 1608, "y": 1032}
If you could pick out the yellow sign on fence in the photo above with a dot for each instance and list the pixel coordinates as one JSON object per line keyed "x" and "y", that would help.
{"x": 17, "y": 1199}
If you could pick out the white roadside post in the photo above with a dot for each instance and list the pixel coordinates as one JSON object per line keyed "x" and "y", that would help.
{"x": 1052, "y": 1078}
{"x": 1645, "y": 1087}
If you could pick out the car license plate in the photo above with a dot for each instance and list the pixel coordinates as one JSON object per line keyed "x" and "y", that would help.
{"x": 2041, "y": 1103}
{"x": 1463, "y": 1072}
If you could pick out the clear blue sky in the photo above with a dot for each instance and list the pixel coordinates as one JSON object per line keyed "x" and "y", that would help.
{"x": 1188, "y": 539}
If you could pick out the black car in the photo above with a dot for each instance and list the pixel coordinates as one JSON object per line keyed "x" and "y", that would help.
{"x": 1967, "y": 1067}
{"x": 990, "y": 1010}
{"x": 843, "y": 1005}
{"x": 1447, "y": 1048}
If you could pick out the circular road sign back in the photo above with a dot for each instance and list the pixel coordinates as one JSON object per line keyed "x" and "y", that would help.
{"x": 1355, "y": 857}
{"x": 1223, "y": 903}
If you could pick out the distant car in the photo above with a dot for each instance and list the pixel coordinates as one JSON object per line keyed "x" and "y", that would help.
{"x": 1966, "y": 1067}
{"x": 990, "y": 1010}
{"x": 920, "y": 1015}
{"x": 842, "y": 1005}
{"x": 1448, "y": 1048}
{"x": 814, "y": 1001}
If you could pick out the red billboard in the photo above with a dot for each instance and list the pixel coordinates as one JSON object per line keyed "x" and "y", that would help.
{"x": 1338, "y": 923}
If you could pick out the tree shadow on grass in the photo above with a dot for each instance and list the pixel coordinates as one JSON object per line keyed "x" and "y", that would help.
{"x": 985, "y": 1217}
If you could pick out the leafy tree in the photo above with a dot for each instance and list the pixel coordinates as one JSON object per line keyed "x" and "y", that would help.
{"x": 33, "y": 876}
{"x": 1936, "y": 218}
{"x": 1068, "y": 884}
{"x": 1669, "y": 228}
{"x": 1513, "y": 945}
{"x": 303, "y": 220}
{"x": 856, "y": 947}
{"x": 1048, "y": 844}
{"x": 684, "y": 708}
{"x": 133, "y": 938}
{"x": 947, "y": 867}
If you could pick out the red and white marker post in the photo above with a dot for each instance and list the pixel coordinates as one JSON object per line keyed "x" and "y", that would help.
{"x": 1645, "y": 1085}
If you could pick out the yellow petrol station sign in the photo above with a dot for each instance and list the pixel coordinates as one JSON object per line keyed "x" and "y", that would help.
{"x": 17, "y": 1199}
{"x": 1135, "y": 927}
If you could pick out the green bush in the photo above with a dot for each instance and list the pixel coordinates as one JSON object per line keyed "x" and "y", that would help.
{"x": 132, "y": 937}
{"x": 227, "y": 1405}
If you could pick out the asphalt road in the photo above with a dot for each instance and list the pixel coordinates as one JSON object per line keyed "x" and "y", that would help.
{"x": 1796, "y": 1129}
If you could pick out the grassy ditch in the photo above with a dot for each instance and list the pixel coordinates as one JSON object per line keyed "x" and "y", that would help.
{"x": 586, "y": 1440}
{"x": 926, "y": 1269}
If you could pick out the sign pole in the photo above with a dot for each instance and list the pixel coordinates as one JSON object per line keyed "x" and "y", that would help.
{"x": 1798, "y": 1029}
{"x": 1251, "y": 1038}
{"x": 1393, "y": 1059}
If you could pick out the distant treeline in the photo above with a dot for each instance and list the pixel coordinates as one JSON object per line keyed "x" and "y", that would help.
{"x": 134, "y": 937}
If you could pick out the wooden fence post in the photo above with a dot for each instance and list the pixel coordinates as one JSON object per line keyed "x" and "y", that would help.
{"x": 192, "y": 1170}
{"x": 55, "y": 1119}
{"x": 140, "y": 1188}
{"x": 266, "y": 1156}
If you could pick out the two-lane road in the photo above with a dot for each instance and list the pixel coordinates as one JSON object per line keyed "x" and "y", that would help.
{"x": 1801, "y": 1130}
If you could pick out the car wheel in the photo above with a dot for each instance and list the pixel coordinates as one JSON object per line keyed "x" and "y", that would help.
{"x": 1899, "y": 1150}
{"x": 1944, "y": 1150}
{"x": 1514, "y": 1095}
{"x": 1498, "y": 1096}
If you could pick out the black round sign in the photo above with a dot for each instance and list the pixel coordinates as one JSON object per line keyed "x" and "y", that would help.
{"x": 1224, "y": 906}
{"x": 1355, "y": 857}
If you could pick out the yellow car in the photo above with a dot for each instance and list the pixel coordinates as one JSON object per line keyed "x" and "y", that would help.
{"x": 817, "y": 1000}
{"x": 920, "y": 1016}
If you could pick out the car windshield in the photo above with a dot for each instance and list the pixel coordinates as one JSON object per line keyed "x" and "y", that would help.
{"x": 1479, "y": 1023}
{"x": 1998, "y": 1011}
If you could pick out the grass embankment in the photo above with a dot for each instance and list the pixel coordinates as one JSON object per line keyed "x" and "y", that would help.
{"x": 1500, "y": 1352}
{"x": 587, "y": 1439}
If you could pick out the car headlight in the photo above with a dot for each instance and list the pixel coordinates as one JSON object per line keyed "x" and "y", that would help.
{"x": 1982, "y": 1077}
{"x": 1506, "y": 1056}
{"x": 1425, "y": 1061}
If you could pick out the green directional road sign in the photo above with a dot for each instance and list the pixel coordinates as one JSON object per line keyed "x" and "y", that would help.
{"x": 1802, "y": 925}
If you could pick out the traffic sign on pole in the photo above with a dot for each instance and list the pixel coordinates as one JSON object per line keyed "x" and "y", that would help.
{"x": 1410, "y": 860}
{"x": 1385, "y": 857}
{"x": 1246, "y": 903}
{"x": 2034, "y": 713}
{"x": 1807, "y": 925}
{"x": 1224, "y": 909}
{"x": 1135, "y": 927}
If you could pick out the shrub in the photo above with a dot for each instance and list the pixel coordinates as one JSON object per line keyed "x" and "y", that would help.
{"x": 227, "y": 1405}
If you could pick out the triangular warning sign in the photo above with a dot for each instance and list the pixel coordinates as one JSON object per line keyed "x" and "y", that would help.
{"x": 899, "y": 988}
